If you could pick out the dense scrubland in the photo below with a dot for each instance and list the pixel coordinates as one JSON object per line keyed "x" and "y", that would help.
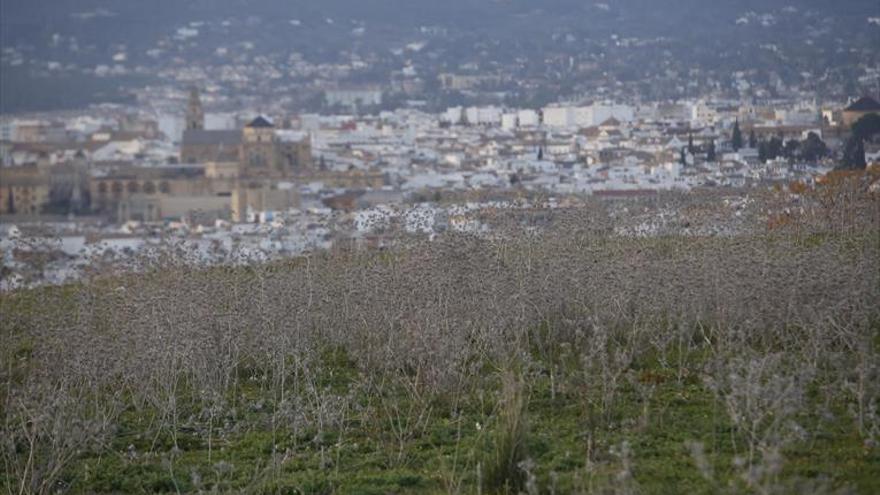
{"x": 561, "y": 352}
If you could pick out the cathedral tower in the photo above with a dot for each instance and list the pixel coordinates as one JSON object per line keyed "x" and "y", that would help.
{"x": 195, "y": 115}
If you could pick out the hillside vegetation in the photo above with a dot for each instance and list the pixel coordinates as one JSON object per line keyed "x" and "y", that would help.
{"x": 556, "y": 354}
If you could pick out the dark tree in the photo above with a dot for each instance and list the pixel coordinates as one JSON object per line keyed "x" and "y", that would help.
{"x": 769, "y": 150}
{"x": 753, "y": 139}
{"x": 867, "y": 126}
{"x": 710, "y": 153}
{"x": 791, "y": 149}
{"x": 10, "y": 205}
{"x": 691, "y": 148}
{"x": 774, "y": 148}
{"x": 813, "y": 148}
{"x": 853, "y": 154}
{"x": 540, "y": 153}
{"x": 682, "y": 157}
{"x": 737, "y": 140}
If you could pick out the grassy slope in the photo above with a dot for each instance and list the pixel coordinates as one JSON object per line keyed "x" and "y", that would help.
{"x": 365, "y": 456}
{"x": 662, "y": 404}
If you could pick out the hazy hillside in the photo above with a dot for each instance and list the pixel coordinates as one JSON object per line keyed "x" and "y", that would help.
{"x": 86, "y": 34}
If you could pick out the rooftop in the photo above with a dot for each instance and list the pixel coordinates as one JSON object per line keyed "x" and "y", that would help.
{"x": 260, "y": 122}
{"x": 198, "y": 136}
{"x": 864, "y": 104}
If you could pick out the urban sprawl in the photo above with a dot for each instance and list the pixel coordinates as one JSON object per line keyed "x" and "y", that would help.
{"x": 113, "y": 179}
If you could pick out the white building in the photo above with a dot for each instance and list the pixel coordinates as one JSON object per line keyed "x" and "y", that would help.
{"x": 7, "y": 130}
{"x": 582, "y": 116}
{"x": 872, "y": 154}
{"x": 604, "y": 111}
{"x": 556, "y": 116}
{"x": 800, "y": 116}
{"x": 528, "y": 118}
{"x": 353, "y": 97}
{"x": 452, "y": 115}
{"x": 585, "y": 116}
{"x": 702, "y": 114}
{"x": 509, "y": 121}
{"x": 484, "y": 115}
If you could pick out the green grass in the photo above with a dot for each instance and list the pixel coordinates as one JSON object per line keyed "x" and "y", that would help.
{"x": 569, "y": 443}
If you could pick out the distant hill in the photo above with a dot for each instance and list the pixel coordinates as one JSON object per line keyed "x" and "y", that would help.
{"x": 87, "y": 33}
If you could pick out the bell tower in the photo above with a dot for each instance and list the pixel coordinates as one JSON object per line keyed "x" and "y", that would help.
{"x": 195, "y": 115}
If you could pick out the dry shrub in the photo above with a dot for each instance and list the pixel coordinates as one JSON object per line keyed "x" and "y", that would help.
{"x": 585, "y": 290}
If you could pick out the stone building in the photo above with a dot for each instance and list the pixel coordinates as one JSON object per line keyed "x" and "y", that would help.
{"x": 259, "y": 155}
{"x": 258, "y": 196}
{"x": 195, "y": 114}
{"x": 45, "y": 188}
{"x": 222, "y": 174}
{"x": 23, "y": 190}
{"x": 260, "y": 148}
{"x": 69, "y": 186}
{"x": 201, "y": 146}
{"x": 127, "y": 184}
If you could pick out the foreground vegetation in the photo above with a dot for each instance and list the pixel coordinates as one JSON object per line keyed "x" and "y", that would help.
{"x": 553, "y": 356}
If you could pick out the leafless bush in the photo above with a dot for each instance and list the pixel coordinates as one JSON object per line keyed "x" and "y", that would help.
{"x": 762, "y": 395}
{"x": 44, "y": 431}
{"x": 418, "y": 329}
